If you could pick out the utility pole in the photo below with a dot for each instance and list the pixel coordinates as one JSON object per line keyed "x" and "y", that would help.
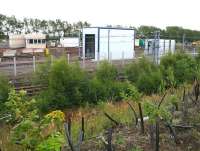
{"x": 183, "y": 42}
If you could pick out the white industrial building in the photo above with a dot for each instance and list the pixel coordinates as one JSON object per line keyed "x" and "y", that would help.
{"x": 165, "y": 46}
{"x": 101, "y": 43}
{"x": 16, "y": 41}
{"x": 69, "y": 42}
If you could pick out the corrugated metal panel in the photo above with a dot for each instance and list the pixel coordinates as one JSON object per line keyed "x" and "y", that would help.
{"x": 69, "y": 42}
{"x": 117, "y": 41}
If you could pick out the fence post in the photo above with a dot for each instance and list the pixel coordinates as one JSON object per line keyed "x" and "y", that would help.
{"x": 83, "y": 62}
{"x": 98, "y": 57}
{"x": 34, "y": 68}
{"x": 194, "y": 52}
{"x": 68, "y": 55}
{"x": 110, "y": 58}
{"x": 0, "y": 59}
{"x": 15, "y": 66}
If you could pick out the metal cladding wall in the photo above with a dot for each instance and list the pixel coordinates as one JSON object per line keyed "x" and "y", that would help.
{"x": 69, "y": 42}
{"x": 17, "y": 41}
{"x": 165, "y": 46}
{"x": 111, "y": 43}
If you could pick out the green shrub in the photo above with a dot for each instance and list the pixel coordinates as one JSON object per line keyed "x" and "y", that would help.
{"x": 52, "y": 143}
{"x": 146, "y": 76}
{"x": 42, "y": 73}
{"x": 106, "y": 72}
{"x": 134, "y": 69}
{"x": 151, "y": 83}
{"x": 32, "y": 130}
{"x": 153, "y": 111}
{"x": 67, "y": 85}
{"x": 97, "y": 91}
{"x": 4, "y": 91}
{"x": 183, "y": 66}
{"x": 104, "y": 85}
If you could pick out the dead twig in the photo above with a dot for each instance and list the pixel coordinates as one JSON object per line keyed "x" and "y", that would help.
{"x": 162, "y": 99}
{"x": 134, "y": 112}
{"x": 69, "y": 140}
{"x": 110, "y": 118}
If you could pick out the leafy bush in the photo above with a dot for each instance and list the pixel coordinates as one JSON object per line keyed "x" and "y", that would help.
{"x": 106, "y": 72}
{"x": 42, "y": 73}
{"x": 182, "y": 65}
{"x": 18, "y": 105}
{"x": 104, "y": 85}
{"x": 153, "y": 111}
{"x": 146, "y": 76}
{"x": 67, "y": 84}
{"x": 4, "y": 90}
{"x": 30, "y": 129}
{"x": 53, "y": 143}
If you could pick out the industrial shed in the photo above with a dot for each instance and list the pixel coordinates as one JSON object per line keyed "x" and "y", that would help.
{"x": 101, "y": 43}
{"x": 16, "y": 41}
{"x": 69, "y": 42}
{"x": 165, "y": 46}
{"x": 35, "y": 40}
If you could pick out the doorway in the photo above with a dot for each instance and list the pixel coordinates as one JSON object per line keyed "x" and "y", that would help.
{"x": 90, "y": 46}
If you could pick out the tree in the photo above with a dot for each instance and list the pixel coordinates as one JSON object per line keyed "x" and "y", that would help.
{"x": 147, "y": 30}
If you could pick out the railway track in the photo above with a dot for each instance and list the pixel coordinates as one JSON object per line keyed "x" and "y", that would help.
{"x": 32, "y": 89}
{"x": 23, "y": 79}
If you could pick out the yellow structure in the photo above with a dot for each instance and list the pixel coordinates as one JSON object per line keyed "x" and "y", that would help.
{"x": 46, "y": 52}
{"x": 196, "y": 43}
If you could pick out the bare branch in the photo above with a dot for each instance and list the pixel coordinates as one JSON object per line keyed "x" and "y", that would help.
{"x": 162, "y": 99}
{"x": 135, "y": 114}
{"x": 110, "y": 118}
{"x": 68, "y": 137}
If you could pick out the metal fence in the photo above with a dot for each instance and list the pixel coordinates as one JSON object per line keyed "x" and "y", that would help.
{"x": 16, "y": 66}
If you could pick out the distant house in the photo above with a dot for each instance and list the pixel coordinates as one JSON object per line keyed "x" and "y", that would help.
{"x": 101, "y": 43}
{"x": 29, "y": 43}
{"x": 35, "y": 40}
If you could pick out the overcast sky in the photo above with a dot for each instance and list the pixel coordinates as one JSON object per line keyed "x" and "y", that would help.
{"x": 160, "y": 13}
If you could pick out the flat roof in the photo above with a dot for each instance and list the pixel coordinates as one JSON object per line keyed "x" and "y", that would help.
{"x": 118, "y": 28}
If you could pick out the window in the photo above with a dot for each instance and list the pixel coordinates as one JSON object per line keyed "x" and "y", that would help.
{"x": 39, "y": 41}
{"x": 43, "y": 41}
{"x": 35, "y": 41}
{"x": 30, "y": 41}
